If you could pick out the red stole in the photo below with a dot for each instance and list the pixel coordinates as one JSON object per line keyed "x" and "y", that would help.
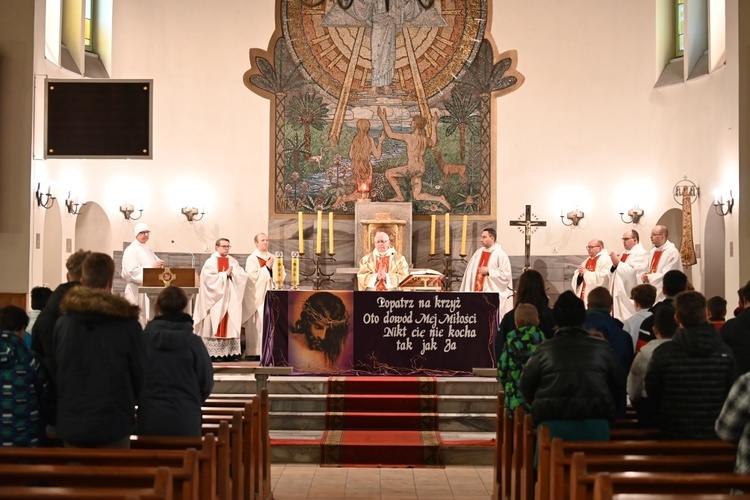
{"x": 479, "y": 278}
{"x": 655, "y": 261}
{"x": 590, "y": 266}
{"x": 222, "y": 264}
{"x": 381, "y": 264}
{"x": 262, "y": 262}
{"x": 624, "y": 257}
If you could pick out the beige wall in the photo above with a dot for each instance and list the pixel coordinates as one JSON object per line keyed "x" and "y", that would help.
{"x": 587, "y": 128}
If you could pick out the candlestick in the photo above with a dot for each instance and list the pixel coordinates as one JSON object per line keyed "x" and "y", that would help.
{"x": 330, "y": 233}
{"x": 463, "y": 235}
{"x": 301, "y": 230}
{"x": 278, "y": 271}
{"x": 447, "y": 234}
{"x": 432, "y": 234}
{"x": 295, "y": 270}
{"x": 319, "y": 241}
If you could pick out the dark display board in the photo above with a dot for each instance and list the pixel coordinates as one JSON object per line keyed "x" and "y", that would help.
{"x": 98, "y": 119}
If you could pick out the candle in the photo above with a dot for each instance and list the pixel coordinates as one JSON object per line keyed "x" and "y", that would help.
{"x": 330, "y": 233}
{"x": 319, "y": 240}
{"x": 300, "y": 230}
{"x": 447, "y": 234}
{"x": 432, "y": 234}
{"x": 295, "y": 270}
{"x": 278, "y": 273}
{"x": 463, "y": 235}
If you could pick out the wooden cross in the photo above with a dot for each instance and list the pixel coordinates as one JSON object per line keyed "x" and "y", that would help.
{"x": 527, "y": 223}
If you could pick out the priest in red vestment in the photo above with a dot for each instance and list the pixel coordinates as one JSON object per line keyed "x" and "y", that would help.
{"x": 489, "y": 271}
{"x": 662, "y": 258}
{"x": 626, "y": 270}
{"x": 593, "y": 272}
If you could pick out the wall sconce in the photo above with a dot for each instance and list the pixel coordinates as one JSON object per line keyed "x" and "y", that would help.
{"x": 127, "y": 210}
{"x": 635, "y": 214}
{"x": 574, "y": 216}
{"x": 192, "y": 213}
{"x": 719, "y": 204}
{"x": 42, "y": 199}
{"x": 73, "y": 206}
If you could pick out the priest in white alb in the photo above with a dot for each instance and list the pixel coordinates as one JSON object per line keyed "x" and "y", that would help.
{"x": 489, "y": 270}
{"x": 593, "y": 272}
{"x": 218, "y": 308}
{"x": 135, "y": 258}
{"x": 383, "y": 268}
{"x": 260, "y": 268}
{"x": 626, "y": 269}
{"x": 664, "y": 256}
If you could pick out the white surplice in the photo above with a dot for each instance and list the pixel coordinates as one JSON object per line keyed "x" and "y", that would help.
{"x": 627, "y": 275}
{"x": 259, "y": 281}
{"x": 592, "y": 279}
{"x": 500, "y": 278}
{"x": 670, "y": 260}
{"x": 135, "y": 258}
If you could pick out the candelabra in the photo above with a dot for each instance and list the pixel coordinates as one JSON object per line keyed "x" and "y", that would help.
{"x": 318, "y": 263}
{"x": 449, "y": 273}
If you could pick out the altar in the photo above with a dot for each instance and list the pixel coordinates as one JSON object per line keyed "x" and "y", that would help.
{"x": 345, "y": 332}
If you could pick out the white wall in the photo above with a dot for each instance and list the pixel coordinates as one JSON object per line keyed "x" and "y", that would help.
{"x": 586, "y": 128}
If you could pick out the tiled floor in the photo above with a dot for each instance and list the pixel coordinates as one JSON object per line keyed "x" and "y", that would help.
{"x": 296, "y": 481}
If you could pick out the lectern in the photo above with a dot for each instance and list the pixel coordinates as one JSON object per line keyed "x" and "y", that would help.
{"x": 155, "y": 279}
{"x": 422, "y": 280}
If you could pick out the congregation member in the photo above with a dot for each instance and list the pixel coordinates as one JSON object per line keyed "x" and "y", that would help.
{"x": 100, "y": 360}
{"x": 663, "y": 257}
{"x": 626, "y": 269}
{"x": 383, "y": 268}
{"x": 23, "y": 383}
{"x": 179, "y": 375}
{"x": 593, "y": 272}
{"x": 530, "y": 289}
{"x": 673, "y": 283}
{"x": 736, "y": 333}
{"x": 519, "y": 345}
{"x": 664, "y": 328}
{"x": 716, "y": 308}
{"x": 643, "y": 297}
{"x": 733, "y": 424}
{"x": 42, "y": 335}
{"x": 573, "y": 380}
{"x": 218, "y": 308}
{"x": 740, "y": 303}
{"x": 489, "y": 270}
{"x": 689, "y": 378}
{"x": 39, "y": 297}
{"x": 135, "y": 258}
{"x": 260, "y": 269}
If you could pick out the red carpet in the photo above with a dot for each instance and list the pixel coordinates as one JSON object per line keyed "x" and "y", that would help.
{"x": 381, "y": 421}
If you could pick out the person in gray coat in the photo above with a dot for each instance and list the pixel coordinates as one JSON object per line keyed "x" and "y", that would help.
{"x": 179, "y": 374}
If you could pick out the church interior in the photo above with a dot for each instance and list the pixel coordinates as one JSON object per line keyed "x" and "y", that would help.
{"x": 609, "y": 122}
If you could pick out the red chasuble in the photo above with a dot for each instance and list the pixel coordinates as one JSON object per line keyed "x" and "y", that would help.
{"x": 590, "y": 266}
{"x": 222, "y": 264}
{"x": 655, "y": 262}
{"x": 381, "y": 265}
{"x": 479, "y": 278}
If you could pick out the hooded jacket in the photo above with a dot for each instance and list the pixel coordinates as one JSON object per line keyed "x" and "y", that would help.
{"x": 23, "y": 391}
{"x": 688, "y": 380}
{"x": 100, "y": 355}
{"x": 572, "y": 376}
{"x": 179, "y": 378}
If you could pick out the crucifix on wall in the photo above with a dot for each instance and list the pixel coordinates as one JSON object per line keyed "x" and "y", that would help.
{"x": 529, "y": 226}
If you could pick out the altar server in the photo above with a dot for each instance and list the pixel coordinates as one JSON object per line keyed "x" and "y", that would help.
{"x": 383, "y": 268}
{"x": 489, "y": 271}
{"x": 218, "y": 309}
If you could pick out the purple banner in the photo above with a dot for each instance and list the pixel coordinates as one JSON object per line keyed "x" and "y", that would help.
{"x": 398, "y": 333}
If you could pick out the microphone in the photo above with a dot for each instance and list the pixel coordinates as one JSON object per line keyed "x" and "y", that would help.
{"x": 192, "y": 255}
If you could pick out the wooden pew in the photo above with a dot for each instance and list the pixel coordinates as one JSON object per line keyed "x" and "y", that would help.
{"x": 232, "y": 461}
{"x": 584, "y": 469}
{"x": 498, "y": 464}
{"x": 265, "y": 491}
{"x": 74, "y": 481}
{"x": 610, "y": 485}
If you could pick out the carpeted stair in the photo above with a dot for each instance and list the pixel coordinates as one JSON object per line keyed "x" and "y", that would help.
{"x": 388, "y": 421}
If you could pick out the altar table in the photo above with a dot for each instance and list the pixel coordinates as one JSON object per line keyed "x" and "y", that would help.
{"x": 344, "y": 332}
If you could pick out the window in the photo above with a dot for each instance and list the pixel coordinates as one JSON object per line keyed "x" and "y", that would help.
{"x": 679, "y": 28}
{"x": 88, "y": 26}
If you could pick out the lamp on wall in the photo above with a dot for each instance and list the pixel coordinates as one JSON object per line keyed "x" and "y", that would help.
{"x": 719, "y": 204}
{"x": 72, "y": 205}
{"x": 574, "y": 216}
{"x": 635, "y": 214}
{"x": 192, "y": 213}
{"x": 127, "y": 210}
{"x": 45, "y": 200}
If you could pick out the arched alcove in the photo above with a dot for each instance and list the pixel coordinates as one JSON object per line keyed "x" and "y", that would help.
{"x": 714, "y": 248}
{"x": 53, "y": 271}
{"x": 93, "y": 229}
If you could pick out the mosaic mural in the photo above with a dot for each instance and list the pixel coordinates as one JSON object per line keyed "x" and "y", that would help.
{"x": 387, "y": 100}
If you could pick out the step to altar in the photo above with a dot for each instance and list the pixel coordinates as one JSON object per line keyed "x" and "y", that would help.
{"x": 466, "y": 414}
